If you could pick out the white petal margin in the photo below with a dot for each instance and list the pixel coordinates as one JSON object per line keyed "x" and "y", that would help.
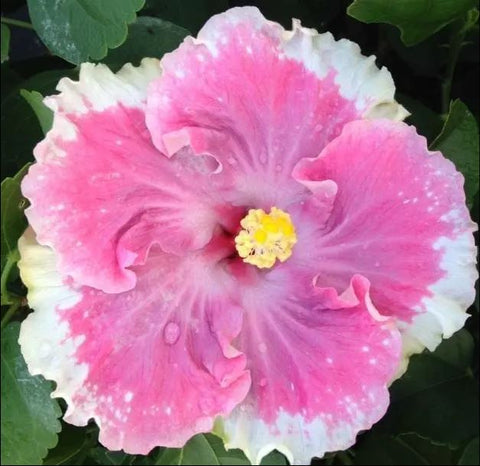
{"x": 44, "y": 339}
{"x": 99, "y": 88}
{"x": 444, "y": 312}
{"x": 357, "y": 76}
{"x": 293, "y": 436}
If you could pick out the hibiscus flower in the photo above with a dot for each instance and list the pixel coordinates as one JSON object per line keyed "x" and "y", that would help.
{"x": 243, "y": 236}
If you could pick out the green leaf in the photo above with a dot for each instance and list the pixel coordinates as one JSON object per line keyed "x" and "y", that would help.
{"x": 47, "y": 81}
{"x": 147, "y": 37}
{"x": 431, "y": 452}
{"x": 458, "y": 141}
{"x": 70, "y": 448}
{"x": 19, "y": 133}
{"x": 78, "y": 30}
{"x": 101, "y": 455}
{"x": 416, "y": 19}
{"x": 209, "y": 449}
{"x": 438, "y": 397}
{"x": 13, "y": 225}
{"x": 5, "y": 42}
{"x": 29, "y": 416}
{"x": 197, "y": 451}
{"x": 236, "y": 456}
{"x": 21, "y": 130}
{"x": 274, "y": 458}
{"x": 233, "y": 456}
{"x": 470, "y": 454}
{"x": 373, "y": 448}
{"x": 44, "y": 114}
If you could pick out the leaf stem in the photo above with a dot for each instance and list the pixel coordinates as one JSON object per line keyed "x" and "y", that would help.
{"x": 16, "y": 22}
{"x": 455, "y": 46}
{"x": 9, "y": 314}
{"x": 12, "y": 259}
{"x": 460, "y": 29}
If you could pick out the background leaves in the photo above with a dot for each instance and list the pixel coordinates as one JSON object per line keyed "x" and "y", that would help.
{"x": 148, "y": 37}
{"x": 416, "y": 19}
{"x": 79, "y": 30}
{"x": 13, "y": 225}
{"x": 29, "y": 416}
{"x": 421, "y": 401}
{"x": 431, "y": 48}
{"x": 5, "y": 41}
{"x": 458, "y": 141}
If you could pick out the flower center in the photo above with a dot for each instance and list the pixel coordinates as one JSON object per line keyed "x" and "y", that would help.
{"x": 265, "y": 237}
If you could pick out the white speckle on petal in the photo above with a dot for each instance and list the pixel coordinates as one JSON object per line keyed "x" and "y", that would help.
{"x": 262, "y": 347}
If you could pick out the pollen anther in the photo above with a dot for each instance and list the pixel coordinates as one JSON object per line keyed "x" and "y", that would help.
{"x": 265, "y": 237}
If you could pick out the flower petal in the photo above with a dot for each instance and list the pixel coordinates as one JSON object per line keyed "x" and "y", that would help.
{"x": 152, "y": 366}
{"x": 101, "y": 193}
{"x": 259, "y": 98}
{"x": 399, "y": 219}
{"x": 320, "y": 366}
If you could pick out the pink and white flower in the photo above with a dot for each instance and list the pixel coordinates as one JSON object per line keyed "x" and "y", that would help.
{"x": 243, "y": 232}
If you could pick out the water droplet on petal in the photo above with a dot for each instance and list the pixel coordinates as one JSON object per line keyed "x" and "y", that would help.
{"x": 262, "y": 347}
{"x": 171, "y": 332}
{"x": 262, "y": 382}
{"x": 278, "y": 167}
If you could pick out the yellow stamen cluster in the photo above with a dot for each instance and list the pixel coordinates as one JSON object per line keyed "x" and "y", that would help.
{"x": 265, "y": 237}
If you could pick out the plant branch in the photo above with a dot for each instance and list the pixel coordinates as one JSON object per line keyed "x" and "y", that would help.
{"x": 9, "y": 314}
{"x": 16, "y": 22}
{"x": 460, "y": 29}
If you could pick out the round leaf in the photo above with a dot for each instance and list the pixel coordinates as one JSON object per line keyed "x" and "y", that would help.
{"x": 29, "y": 416}
{"x": 77, "y": 30}
{"x": 416, "y": 19}
{"x": 458, "y": 141}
